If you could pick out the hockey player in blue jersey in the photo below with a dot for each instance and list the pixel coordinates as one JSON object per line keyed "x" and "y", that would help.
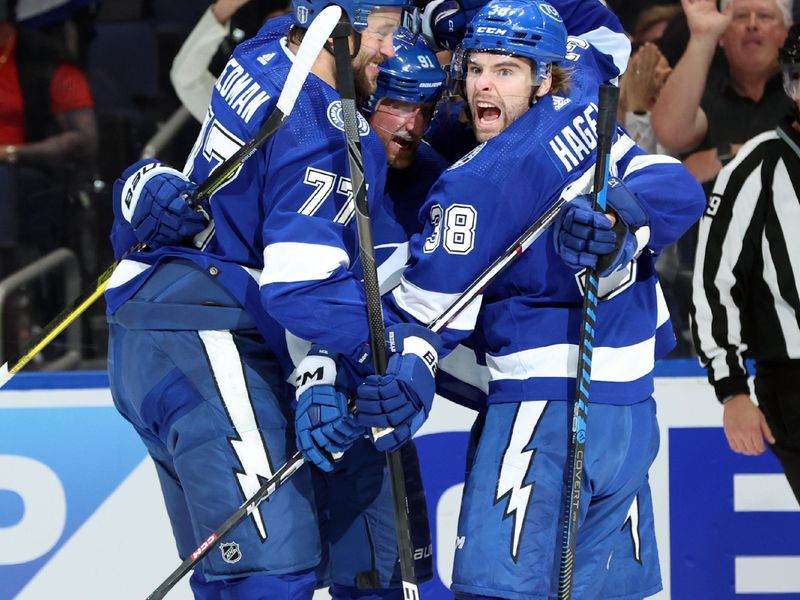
{"x": 409, "y": 87}
{"x": 444, "y": 23}
{"x": 532, "y": 97}
{"x": 188, "y": 362}
{"x": 300, "y": 300}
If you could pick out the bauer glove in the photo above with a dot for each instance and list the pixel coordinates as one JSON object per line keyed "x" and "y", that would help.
{"x": 153, "y": 199}
{"x": 400, "y": 400}
{"x": 584, "y": 237}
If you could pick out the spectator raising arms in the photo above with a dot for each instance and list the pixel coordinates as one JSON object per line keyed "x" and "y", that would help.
{"x": 714, "y": 114}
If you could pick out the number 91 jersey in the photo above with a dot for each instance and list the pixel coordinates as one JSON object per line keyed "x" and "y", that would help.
{"x": 287, "y": 213}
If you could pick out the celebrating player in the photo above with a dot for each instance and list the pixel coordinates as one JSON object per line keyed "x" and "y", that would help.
{"x": 532, "y": 99}
{"x": 188, "y": 362}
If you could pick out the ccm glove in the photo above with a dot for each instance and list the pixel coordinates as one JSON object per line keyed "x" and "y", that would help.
{"x": 444, "y": 23}
{"x": 400, "y": 400}
{"x": 585, "y": 238}
{"x": 323, "y": 425}
{"x": 153, "y": 198}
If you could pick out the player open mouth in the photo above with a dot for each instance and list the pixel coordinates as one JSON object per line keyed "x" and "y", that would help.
{"x": 487, "y": 113}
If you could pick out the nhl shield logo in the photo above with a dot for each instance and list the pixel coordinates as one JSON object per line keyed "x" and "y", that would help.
{"x": 302, "y": 14}
{"x": 230, "y": 552}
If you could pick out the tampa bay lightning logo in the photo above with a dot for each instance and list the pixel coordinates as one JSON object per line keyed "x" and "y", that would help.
{"x": 467, "y": 157}
{"x": 550, "y": 12}
{"x": 337, "y": 120}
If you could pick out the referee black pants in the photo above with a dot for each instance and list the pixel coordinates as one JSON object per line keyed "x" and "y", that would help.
{"x": 777, "y": 387}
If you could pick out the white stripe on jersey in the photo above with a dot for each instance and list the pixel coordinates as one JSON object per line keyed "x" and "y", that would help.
{"x": 618, "y": 365}
{"x": 725, "y": 280}
{"x": 615, "y": 44}
{"x": 787, "y": 212}
{"x": 662, "y": 312}
{"x": 647, "y": 160}
{"x": 125, "y": 271}
{"x": 425, "y": 305}
{"x": 287, "y": 262}
{"x": 462, "y": 364}
{"x": 391, "y": 270}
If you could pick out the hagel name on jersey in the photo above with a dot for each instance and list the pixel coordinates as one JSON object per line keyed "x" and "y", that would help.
{"x": 576, "y": 140}
{"x": 238, "y": 88}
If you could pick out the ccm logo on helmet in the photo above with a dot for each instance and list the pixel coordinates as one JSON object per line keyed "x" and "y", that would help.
{"x": 491, "y": 30}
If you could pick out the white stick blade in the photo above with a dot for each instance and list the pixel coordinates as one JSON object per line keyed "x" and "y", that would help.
{"x": 317, "y": 34}
{"x": 4, "y": 375}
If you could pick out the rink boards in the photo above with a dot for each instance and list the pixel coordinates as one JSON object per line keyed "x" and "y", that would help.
{"x": 81, "y": 516}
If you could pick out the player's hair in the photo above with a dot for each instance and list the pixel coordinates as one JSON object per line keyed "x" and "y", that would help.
{"x": 295, "y": 35}
{"x": 562, "y": 80}
{"x": 784, "y": 5}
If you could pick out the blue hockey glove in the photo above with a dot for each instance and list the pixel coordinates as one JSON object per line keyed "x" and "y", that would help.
{"x": 401, "y": 399}
{"x": 153, "y": 200}
{"x": 445, "y": 21}
{"x": 323, "y": 425}
{"x": 585, "y": 238}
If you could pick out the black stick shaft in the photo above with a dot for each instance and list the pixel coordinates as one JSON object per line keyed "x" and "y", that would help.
{"x": 606, "y": 124}
{"x": 346, "y": 88}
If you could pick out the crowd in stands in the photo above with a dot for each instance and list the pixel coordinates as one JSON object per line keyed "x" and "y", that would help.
{"x": 83, "y": 88}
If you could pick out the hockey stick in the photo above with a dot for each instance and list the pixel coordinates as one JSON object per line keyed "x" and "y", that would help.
{"x": 606, "y": 125}
{"x": 251, "y": 504}
{"x": 346, "y": 88}
{"x": 520, "y": 245}
{"x": 516, "y": 249}
{"x": 306, "y": 55}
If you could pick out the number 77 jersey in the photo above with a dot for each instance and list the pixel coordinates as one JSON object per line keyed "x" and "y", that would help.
{"x": 287, "y": 214}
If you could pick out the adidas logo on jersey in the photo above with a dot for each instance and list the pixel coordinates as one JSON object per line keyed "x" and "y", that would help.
{"x": 560, "y": 102}
{"x": 265, "y": 58}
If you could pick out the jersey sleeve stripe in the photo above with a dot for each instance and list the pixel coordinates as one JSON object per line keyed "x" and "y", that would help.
{"x": 610, "y": 364}
{"x": 610, "y": 42}
{"x": 426, "y": 305}
{"x": 647, "y": 160}
{"x": 126, "y": 271}
{"x": 289, "y": 262}
{"x": 714, "y": 279}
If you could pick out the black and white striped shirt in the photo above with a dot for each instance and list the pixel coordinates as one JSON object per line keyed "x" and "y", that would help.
{"x": 746, "y": 284}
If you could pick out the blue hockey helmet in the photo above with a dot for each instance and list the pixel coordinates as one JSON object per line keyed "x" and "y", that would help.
{"x": 357, "y": 11}
{"x": 528, "y": 28}
{"x": 412, "y": 75}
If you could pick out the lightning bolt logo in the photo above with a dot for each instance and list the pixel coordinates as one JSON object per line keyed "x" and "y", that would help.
{"x": 517, "y": 460}
{"x": 633, "y": 518}
{"x": 249, "y": 447}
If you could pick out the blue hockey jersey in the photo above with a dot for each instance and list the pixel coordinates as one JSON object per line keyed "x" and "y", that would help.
{"x": 284, "y": 236}
{"x": 530, "y": 315}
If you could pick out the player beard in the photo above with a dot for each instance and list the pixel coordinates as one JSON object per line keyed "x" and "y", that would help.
{"x": 489, "y": 122}
{"x": 365, "y": 73}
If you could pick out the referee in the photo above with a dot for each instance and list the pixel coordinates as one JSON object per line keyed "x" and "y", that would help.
{"x": 746, "y": 286}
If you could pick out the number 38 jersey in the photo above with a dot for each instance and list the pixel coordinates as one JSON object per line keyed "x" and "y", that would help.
{"x": 284, "y": 221}
{"x": 530, "y": 315}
